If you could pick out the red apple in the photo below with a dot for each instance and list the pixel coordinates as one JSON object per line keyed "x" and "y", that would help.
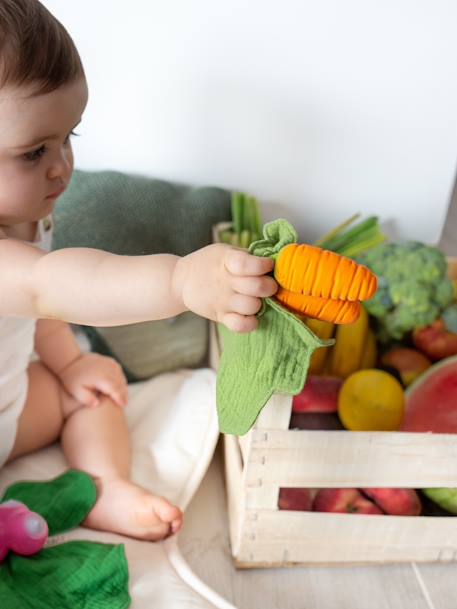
{"x": 315, "y": 420}
{"x": 295, "y": 499}
{"x": 408, "y": 362}
{"x": 395, "y": 501}
{"x": 435, "y": 341}
{"x": 320, "y": 394}
{"x": 344, "y": 500}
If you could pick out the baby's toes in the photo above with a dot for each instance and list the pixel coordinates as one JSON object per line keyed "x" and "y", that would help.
{"x": 169, "y": 514}
{"x": 160, "y": 516}
{"x": 176, "y": 524}
{"x": 166, "y": 511}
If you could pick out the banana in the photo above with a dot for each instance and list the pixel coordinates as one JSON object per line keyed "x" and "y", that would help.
{"x": 322, "y": 329}
{"x": 369, "y": 354}
{"x": 346, "y": 354}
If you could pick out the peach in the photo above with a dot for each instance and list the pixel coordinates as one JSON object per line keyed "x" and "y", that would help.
{"x": 344, "y": 500}
{"x": 295, "y": 499}
{"x": 320, "y": 394}
{"x": 436, "y": 341}
{"x": 409, "y": 363}
{"x": 395, "y": 501}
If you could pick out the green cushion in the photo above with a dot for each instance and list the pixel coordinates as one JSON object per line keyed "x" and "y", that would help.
{"x": 134, "y": 215}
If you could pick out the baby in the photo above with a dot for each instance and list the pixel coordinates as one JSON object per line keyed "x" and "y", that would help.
{"x": 79, "y": 397}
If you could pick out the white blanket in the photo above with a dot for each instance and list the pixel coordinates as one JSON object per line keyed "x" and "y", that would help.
{"x": 173, "y": 424}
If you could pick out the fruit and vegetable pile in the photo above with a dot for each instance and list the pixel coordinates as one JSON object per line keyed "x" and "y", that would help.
{"x": 394, "y": 369}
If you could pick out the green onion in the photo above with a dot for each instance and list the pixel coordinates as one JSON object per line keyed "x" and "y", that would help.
{"x": 335, "y": 231}
{"x": 352, "y": 242}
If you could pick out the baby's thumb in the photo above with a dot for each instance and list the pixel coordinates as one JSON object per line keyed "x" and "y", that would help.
{"x": 87, "y": 397}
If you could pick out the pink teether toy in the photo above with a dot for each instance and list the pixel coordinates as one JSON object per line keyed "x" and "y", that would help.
{"x": 22, "y": 531}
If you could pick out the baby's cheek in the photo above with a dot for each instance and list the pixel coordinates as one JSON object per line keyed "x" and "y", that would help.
{"x": 18, "y": 193}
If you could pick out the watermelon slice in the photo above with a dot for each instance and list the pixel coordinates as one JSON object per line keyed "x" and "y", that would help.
{"x": 431, "y": 401}
{"x": 444, "y": 497}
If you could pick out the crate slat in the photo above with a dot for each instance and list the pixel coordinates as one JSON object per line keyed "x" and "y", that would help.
{"x": 342, "y": 458}
{"x": 282, "y": 538}
{"x": 235, "y": 490}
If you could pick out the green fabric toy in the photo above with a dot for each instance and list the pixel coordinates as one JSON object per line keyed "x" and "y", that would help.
{"x": 273, "y": 359}
{"x": 71, "y": 575}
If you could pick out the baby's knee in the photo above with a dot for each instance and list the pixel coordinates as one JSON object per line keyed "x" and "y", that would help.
{"x": 109, "y": 405}
{"x": 70, "y": 404}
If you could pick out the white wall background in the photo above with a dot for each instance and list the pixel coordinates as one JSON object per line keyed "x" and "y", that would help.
{"x": 319, "y": 108}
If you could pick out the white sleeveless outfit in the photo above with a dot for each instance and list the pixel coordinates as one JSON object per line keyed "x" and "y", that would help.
{"x": 16, "y": 347}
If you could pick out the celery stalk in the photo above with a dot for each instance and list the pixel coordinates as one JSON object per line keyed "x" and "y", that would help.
{"x": 245, "y": 238}
{"x": 247, "y": 213}
{"x": 238, "y": 203}
{"x": 226, "y": 236}
{"x": 255, "y": 224}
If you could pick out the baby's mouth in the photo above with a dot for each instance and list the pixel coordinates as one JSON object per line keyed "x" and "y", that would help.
{"x": 56, "y": 193}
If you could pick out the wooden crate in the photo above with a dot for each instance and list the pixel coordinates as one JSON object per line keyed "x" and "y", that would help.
{"x": 271, "y": 456}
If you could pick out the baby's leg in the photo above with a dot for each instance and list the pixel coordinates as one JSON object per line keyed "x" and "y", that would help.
{"x": 96, "y": 441}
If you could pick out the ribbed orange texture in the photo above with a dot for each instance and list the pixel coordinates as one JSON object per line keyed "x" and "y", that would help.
{"x": 326, "y": 309}
{"x": 312, "y": 271}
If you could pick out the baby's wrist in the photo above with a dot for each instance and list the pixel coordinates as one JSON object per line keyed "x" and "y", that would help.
{"x": 66, "y": 365}
{"x": 177, "y": 282}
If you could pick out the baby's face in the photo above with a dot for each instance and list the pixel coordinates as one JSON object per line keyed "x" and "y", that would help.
{"x": 36, "y": 158}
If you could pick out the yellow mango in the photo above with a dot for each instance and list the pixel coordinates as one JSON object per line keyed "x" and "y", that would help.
{"x": 346, "y": 354}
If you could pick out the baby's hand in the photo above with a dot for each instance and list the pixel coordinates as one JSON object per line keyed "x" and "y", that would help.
{"x": 225, "y": 284}
{"x": 92, "y": 374}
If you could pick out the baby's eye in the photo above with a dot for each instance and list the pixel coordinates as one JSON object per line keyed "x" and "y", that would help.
{"x": 35, "y": 155}
{"x": 67, "y": 139}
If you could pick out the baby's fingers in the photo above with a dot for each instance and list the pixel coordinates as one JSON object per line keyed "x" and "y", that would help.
{"x": 87, "y": 396}
{"x": 115, "y": 390}
{"x": 123, "y": 395}
{"x": 241, "y": 263}
{"x": 240, "y": 323}
{"x": 245, "y": 305}
{"x": 261, "y": 287}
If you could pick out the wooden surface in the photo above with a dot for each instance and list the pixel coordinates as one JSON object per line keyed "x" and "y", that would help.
{"x": 205, "y": 545}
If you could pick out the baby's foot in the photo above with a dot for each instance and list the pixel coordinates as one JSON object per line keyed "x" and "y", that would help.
{"x": 125, "y": 508}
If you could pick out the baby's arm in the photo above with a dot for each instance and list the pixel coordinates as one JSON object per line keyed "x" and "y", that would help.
{"x": 98, "y": 288}
{"x": 55, "y": 344}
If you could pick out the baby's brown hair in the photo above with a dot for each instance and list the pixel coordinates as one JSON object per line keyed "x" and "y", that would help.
{"x": 35, "y": 48}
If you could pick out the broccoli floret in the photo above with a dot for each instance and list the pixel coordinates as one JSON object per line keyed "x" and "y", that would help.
{"x": 449, "y": 317}
{"x": 413, "y": 287}
{"x": 444, "y": 293}
{"x": 381, "y": 301}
